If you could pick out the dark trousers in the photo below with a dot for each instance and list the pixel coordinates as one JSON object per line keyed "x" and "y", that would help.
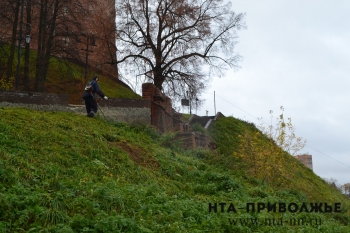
{"x": 90, "y": 104}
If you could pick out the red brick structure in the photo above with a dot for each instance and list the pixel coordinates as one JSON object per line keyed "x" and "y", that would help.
{"x": 306, "y": 159}
{"x": 98, "y": 37}
{"x": 163, "y": 115}
{"x": 178, "y": 125}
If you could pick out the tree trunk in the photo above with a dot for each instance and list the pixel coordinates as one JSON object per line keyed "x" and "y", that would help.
{"x": 158, "y": 78}
{"x": 13, "y": 43}
{"x": 49, "y": 45}
{"x": 45, "y": 44}
{"x": 41, "y": 40}
{"x": 27, "y": 48}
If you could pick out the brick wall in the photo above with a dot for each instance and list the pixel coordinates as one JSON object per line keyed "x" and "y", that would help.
{"x": 163, "y": 115}
{"x": 178, "y": 124}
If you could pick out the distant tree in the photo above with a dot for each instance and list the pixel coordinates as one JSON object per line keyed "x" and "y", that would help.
{"x": 333, "y": 183}
{"x": 346, "y": 189}
{"x": 177, "y": 44}
{"x": 283, "y": 133}
{"x": 195, "y": 102}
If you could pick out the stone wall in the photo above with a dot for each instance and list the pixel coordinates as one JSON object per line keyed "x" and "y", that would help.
{"x": 38, "y": 107}
{"x": 131, "y": 115}
{"x": 154, "y": 109}
{"x": 126, "y": 110}
{"x": 33, "y": 98}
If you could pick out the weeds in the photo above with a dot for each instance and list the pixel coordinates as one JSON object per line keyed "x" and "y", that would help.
{"x": 61, "y": 172}
{"x": 6, "y": 84}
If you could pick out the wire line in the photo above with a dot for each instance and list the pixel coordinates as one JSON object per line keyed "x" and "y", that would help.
{"x": 266, "y": 123}
{"x": 328, "y": 156}
{"x": 236, "y": 106}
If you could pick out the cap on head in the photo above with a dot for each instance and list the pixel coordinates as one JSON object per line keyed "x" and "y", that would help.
{"x": 96, "y": 78}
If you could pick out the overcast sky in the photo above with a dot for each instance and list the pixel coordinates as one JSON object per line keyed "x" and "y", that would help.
{"x": 296, "y": 54}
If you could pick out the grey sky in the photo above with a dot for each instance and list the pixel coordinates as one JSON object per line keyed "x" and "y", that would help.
{"x": 296, "y": 55}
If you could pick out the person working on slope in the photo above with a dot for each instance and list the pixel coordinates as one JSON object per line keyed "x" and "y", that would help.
{"x": 90, "y": 96}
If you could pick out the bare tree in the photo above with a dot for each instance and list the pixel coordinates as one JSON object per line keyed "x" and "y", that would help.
{"x": 59, "y": 28}
{"x": 9, "y": 12}
{"x": 47, "y": 23}
{"x": 346, "y": 189}
{"x": 43, "y": 20}
{"x": 333, "y": 183}
{"x": 58, "y": 23}
{"x": 177, "y": 44}
{"x": 70, "y": 29}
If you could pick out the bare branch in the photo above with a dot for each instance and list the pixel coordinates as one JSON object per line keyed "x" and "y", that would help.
{"x": 175, "y": 39}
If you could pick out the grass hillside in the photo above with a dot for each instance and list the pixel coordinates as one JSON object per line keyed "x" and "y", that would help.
{"x": 286, "y": 171}
{"x": 62, "y": 172}
{"x": 63, "y": 77}
{"x": 68, "y": 78}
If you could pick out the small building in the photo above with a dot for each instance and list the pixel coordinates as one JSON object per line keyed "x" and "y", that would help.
{"x": 306, "y": 159}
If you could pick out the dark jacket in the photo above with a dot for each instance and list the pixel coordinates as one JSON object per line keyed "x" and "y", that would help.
{"x": 95, "y": 89}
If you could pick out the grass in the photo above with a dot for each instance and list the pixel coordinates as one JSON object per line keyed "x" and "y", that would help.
{"x": 62, "y": 172}
{"x": 198, "y": 128}
{"x": 296, "y": 176}
{"x": 186, "y": 117}
{"x": 64, "y": 77}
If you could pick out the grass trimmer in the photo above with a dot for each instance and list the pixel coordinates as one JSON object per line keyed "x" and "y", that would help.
{"x": 99, "y": 107}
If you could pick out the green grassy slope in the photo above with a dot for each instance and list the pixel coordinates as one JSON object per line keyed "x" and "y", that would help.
{"x": 63, "y": 77}
{"x": 295, "y": 175}
{"x": 67, "y": 78}
{"x": 62, "y": 172}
